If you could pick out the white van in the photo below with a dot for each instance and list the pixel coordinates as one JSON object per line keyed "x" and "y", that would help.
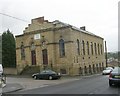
{"x": 1, "y": 69}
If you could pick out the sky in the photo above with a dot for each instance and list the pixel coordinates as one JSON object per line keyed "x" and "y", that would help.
{"x": 99, "y": 16}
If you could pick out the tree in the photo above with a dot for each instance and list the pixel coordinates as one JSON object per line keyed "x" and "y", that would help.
{"x": 113, "y": 55}
{"x": 8, "y": 49}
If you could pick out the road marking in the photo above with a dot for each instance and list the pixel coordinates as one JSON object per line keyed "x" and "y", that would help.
{"x": 43, "y": 86}
{"x": 91, "y": 93}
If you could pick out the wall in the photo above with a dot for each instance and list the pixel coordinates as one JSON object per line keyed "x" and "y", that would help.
{"x": 10, "y": 71}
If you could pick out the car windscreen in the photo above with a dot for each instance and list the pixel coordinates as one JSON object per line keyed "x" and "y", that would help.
{"x": 48, "y": 71}
{"x": 116, "y": 70}
{"x": 109, "y": 68}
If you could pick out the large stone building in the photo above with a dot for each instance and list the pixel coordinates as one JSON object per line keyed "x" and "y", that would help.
{"x": 59, "y": 46}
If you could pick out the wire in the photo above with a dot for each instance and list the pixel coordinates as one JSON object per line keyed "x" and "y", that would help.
{"x": 14, "y": 17}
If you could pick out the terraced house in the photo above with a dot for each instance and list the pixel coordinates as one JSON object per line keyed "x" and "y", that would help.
{"x": 60, "y": 47}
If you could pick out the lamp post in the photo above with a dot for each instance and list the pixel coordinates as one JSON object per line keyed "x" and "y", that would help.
{"x": 106, "y": 54}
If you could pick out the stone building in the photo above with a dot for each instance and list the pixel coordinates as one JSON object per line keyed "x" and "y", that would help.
{"x": 60, "y": 47}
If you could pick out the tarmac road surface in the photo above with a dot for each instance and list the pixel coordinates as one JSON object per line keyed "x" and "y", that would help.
{"x": 87, "y": 85}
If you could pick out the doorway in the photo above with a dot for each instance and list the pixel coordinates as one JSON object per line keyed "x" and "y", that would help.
{"x": 45, "y": 57}
{"x": 33, "y": 57}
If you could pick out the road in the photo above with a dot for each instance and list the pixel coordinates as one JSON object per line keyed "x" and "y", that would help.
{"x": 86, "y": 85}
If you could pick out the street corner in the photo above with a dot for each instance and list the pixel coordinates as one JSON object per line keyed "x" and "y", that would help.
{"x": 12, "y": 87}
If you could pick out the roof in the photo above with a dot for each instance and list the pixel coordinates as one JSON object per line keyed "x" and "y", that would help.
{"x": 74, "y": 28}
{"x": 60, "y": 24}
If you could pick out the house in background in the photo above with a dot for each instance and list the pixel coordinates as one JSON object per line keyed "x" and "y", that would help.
{"x": 113, "y": 63}
{"x": 60, "y": 47}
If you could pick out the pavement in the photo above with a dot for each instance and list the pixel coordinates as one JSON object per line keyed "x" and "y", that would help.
{"x": 12, "y": 87}
{"x": 16, "y": 83}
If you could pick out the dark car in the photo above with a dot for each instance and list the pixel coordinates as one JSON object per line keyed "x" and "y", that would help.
{"x": 114, "y": 77}
{"x": 46, "y": 74}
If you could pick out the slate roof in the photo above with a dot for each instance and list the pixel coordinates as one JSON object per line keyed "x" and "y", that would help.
{"x": 74, "y": 28}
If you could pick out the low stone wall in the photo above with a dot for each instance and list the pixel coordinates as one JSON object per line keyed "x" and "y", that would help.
{"x": 10, "y": 71}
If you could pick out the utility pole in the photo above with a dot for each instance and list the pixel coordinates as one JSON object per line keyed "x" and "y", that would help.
{"x": 106, "y": 54}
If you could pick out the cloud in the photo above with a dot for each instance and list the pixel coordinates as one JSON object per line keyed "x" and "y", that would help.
{"x": 99, "y": 16}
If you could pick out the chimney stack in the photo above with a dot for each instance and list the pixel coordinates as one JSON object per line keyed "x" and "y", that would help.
{"x": 39, "y": 20}
{"x": 83, "y": 28}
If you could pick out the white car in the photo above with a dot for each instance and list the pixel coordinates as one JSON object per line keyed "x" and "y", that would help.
{"x": 107, "y": 71}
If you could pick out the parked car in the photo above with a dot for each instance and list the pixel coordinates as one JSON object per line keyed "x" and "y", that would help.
{"x": 114, "y": 77}
{"x": 47, "y": 74}
{"x": 107, "y": 71}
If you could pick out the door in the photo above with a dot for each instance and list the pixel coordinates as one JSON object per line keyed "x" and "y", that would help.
{"x": 45, "y": 57}
{"x": 33, "y": 57}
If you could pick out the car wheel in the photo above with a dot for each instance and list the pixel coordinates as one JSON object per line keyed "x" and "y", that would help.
{"x": 35, "y": 77}
{"x": 50, "y": 77}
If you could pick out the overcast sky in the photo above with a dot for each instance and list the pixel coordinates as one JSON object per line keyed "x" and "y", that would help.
{"x": 99, "y": 16}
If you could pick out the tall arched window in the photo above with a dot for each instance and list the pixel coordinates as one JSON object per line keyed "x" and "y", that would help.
{"x": 100, "y": 66}
{"x": 83, "y": 47}
{"x": 95, "y": 48}
{"x": 85, "y": 69}
{"x": 91, "y": 48}
{"x": 101, "y": 48}
{"x": 93, "y": 68}
{"x": 62, "y": 47}
{"x": 88, "y": 48}
{"x": 98, "y": 49}
{"x": 78, "y": 47}
{"x": 90, "y": 70}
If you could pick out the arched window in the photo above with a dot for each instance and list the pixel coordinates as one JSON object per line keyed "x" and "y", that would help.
{"x": 80, "y": 71}
{"x": 88, "y": 48}
{"x": 93, "y": 68}
{"x": 98, "y": 49}
{"x": 83, "y": 47}
{"x": 85, "y": 69}
{"x": 101, "y": 48}
{"x": 97, "y": 67}
{"x": 90, "y": 70}
{"x": 91, "y": 48}
{"x": 100, "y": 66}
{"x": 95, "y": 48}
{"x": 78, "y": 47}
{"x": 61, "y": 47}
